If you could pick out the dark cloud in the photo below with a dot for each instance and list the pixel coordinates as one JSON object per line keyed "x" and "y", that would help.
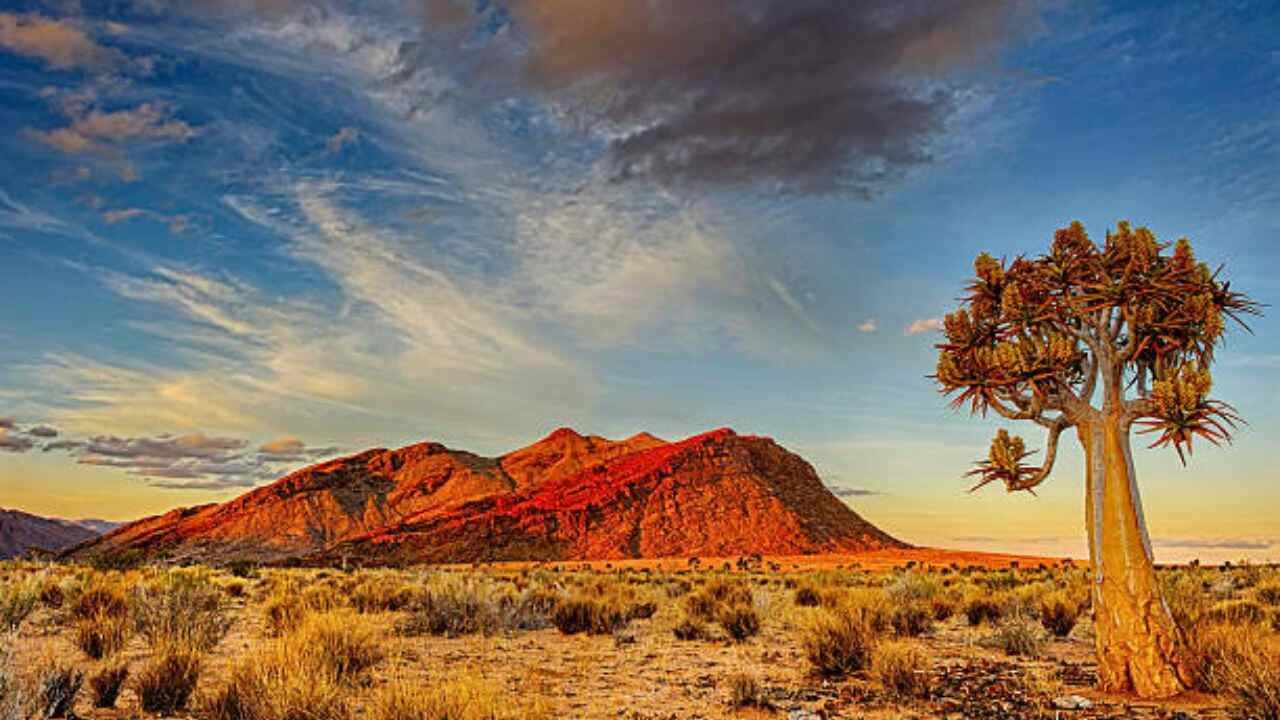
{"x": 848, "y": 492}
{"x": 43, "y": 431}
{"x": 807, "y": 95}
{"x": 8, "y": 423}
{"x": 193, "y": 461}
{"x": 291, "y": 449}
{"x": 14, "y": 442}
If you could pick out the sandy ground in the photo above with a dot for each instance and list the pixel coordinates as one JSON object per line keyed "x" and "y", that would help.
{"x": 645, "y": 673}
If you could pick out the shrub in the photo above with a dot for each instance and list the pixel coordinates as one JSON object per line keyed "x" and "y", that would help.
{"x": 461, "y": 699}
{"x": 593, "y": 616}
{"x": 745, "y": 691}
{"x": 912, "y": 618}
{"x": 1020, "y": 637}
{"x": 101, "y": 636}
{"x": 165, "y": 683}
{"x": 453, "y": 609}
{"x": 1253, "y": 682}
{"x": 689, "y": 629}
{"x": 982, "y": 608}
{"x": 101, "y": 599}
{"x": 807, "y": 596}
{"x": 901, "y": 668}
{"x": 380, "y": 593}
{"x": 339, "y": 642}
{"x": 283, "y": 613}
{"x": 740, "y": 622}
{"x": 52, "y": 595}
{"x": 1059, "y": 613}
{"x": 1236, "y": 612}
{"x": 838, "y": 642}
{"x": 118, "y": 561}
{"x": 1213, "y": 649}
{"x": 1268, "y": 594}
{"x": 105, "y": 685}
{"x": 280, "y": 682}
{"x": 181, "y": 608}
{"x": 17, "y": 601}
{"x": 58, "y": 684}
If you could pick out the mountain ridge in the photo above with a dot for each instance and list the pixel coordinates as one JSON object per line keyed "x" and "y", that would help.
{"x": 566, "y": 496}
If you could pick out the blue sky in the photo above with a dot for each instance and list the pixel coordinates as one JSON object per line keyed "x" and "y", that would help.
{"x": 236, "y": 237}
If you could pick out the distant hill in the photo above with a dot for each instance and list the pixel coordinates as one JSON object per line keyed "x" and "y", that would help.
{"x": 20, "y": 532}
{"x": 568, "y": 496}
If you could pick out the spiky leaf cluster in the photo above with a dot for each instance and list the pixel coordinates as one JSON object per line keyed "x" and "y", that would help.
{"x": 1036, "y": 336}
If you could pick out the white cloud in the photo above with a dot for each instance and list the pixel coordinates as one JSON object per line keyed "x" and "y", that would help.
{"x": 924, "y": 325}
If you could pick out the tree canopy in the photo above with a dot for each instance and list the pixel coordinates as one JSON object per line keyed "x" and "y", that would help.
{"x": 1035, "y": 339}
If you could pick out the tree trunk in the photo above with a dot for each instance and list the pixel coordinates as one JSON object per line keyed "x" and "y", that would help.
{"x": 1139, "y": 648}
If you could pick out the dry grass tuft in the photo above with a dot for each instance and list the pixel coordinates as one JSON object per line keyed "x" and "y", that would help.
{"x": 1059, "y": 613}
{"x": 58, "y": 685}
{"x": 460, "y": 699}
{"x": 902, "y": 669}
{"x": 839, "y": 642}
{"x": 166, "y": 682}
{"x": 105, "y": 684}
{"x": 746, "y": 691}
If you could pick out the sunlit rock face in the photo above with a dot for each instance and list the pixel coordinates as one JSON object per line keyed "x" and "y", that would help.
{"x": 568, "y": 496}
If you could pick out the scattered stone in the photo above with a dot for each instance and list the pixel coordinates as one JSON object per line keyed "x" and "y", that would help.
{"x": 1072, "y": 702}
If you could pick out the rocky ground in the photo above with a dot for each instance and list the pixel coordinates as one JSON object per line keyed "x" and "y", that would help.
{"x": 644, "y": 673}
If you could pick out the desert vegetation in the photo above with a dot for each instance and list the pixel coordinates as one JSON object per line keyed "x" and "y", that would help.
{"x": 567, "y": 640}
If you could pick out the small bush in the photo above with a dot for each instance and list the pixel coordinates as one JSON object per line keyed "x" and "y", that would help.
{"x": 59, "y": 684}
{"x": 340, "y": 642}
{"x": 1019, "y": 637}
{"x": 101, "y": 636}
{"x": 165, "y": 683}
{"x": 105, "y": 685}
{"x": 461, "y": 699}
{"x": 1268, "y": 594}
{"x": 838, "y": 642}
{"x": 101, "y": 599}
{"x": 17, "y": 601}
{"x": 740, "y": 622}
{"x": 181, "y": 608}
{"x": 983, "y": 608}
{"x": 381, "y": 593}
{"x": 901, "y": 668}
{"x": 1214, "y": 649}
{"x": 746, "y": 691}
{"x": 807, "y": 596}
{"x": 453, "y": 610}
{"x": 1254, "y": 683}
{"x": 1059, "y": 613}
{"x": 118, "y": 561}
{"x": 912, "y": 618}
{"x": 1236, "y": 612}
{"x": 593, "y": 616}
{"x": 689, "y": 628}
{"x": 280, "y": 682}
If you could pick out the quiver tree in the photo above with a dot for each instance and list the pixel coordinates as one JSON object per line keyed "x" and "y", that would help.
{"x": 1101, "y": 340}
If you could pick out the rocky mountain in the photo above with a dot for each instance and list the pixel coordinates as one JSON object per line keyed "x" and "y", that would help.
{"x": 567, "y": 496}
{"x": 20, "y": 532}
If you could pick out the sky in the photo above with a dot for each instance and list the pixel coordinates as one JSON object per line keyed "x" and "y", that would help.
{"x": 238, "y": 237}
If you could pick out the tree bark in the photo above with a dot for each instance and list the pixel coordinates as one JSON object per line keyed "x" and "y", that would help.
{"x": 1139, "y": 647}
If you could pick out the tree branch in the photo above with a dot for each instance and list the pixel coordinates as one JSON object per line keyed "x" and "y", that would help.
{"x": 1050, "y": 457}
